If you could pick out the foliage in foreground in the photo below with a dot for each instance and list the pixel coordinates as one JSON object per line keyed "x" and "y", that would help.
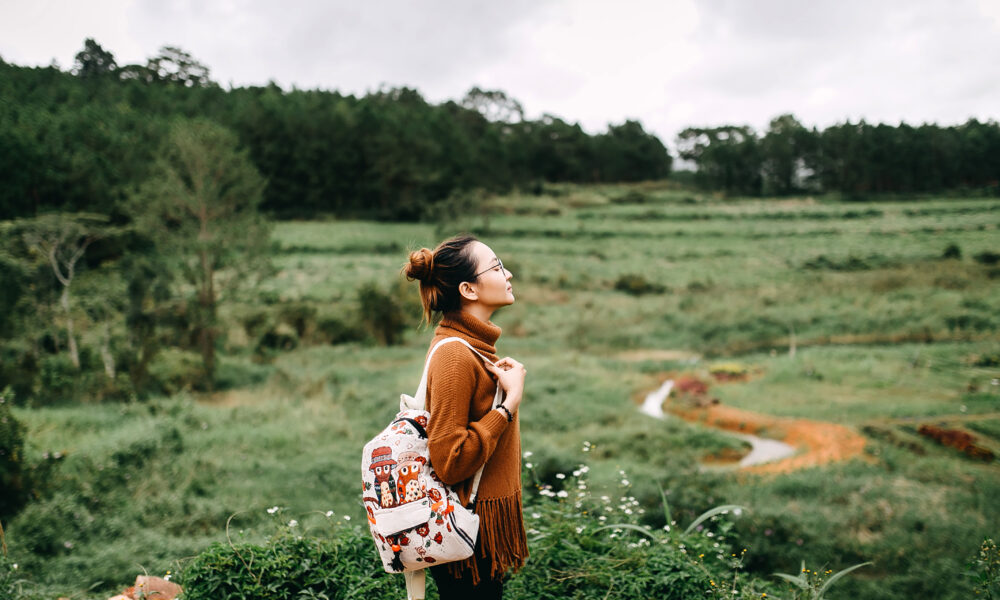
{"x": 581, "y": 547}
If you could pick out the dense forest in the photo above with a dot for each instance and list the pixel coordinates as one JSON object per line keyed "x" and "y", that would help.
{"x": 80, "y": 140}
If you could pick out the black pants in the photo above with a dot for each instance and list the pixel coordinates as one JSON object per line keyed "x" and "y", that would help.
{"x": 451, "y": 588}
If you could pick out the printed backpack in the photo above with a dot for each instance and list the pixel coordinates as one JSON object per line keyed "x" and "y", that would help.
{"x": 415, "y": 519}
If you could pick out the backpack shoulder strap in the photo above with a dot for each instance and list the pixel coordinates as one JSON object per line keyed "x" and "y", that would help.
{"x": 421, "y": 396}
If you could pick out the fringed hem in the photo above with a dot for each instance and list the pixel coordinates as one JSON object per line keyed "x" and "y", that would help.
{"x": 502, "y": 539}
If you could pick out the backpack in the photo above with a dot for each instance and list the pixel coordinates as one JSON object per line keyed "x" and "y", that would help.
{"x": 415, "y": 519}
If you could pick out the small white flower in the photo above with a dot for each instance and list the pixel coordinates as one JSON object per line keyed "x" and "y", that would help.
{"x": 562, "y": 493}
{"x": 536, "y": 516}
{"x": 347, "y": 517}
{"x": 329, "y": 513}
{"x": 579, "y": 529}
{"x": 737, "y": 511}
{"x": 602, "y": 518}
{"x": 709, "y": 534}
{"x": 528, "y": 454}
{"x": 68, "y": 544}
{"x": 560, "y": 476}
{"x": 167, "y": 577}
{"x": 625, "y": 482}
{"x": 15, "y": 566}
{"x": 628, "y": 511}
{"x": 273, "y": 510}
{"x": 577, "y": 473}
{"x": 293, "y": 523}
{"x": 605, "y": 499}
{"x": 528, "y": 465}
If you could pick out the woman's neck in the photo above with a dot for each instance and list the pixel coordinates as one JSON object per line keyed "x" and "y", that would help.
{"x": 479, "y": 311}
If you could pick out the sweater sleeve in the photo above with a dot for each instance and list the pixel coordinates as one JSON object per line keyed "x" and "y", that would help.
{"x": 457, "y": 446}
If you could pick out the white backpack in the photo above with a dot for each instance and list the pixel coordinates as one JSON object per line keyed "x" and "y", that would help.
{"x": 416, "y": 520}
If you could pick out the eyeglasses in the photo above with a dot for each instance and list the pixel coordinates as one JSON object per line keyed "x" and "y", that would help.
{"x": 499, "y": 263}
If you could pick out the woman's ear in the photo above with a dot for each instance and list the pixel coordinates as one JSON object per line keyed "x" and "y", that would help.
{"x": 468, "y": 291}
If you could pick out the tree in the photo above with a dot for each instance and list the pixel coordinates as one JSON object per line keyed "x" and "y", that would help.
{"x": 93, "y": 61}
{"x": 177, "y": 66}
{"x": 494, "y": 105}
{"x": 201, "y": 209}
{"x": 728, "y": 157}
{"x": 62, "y": 240}
{"x": 785, "y": 149}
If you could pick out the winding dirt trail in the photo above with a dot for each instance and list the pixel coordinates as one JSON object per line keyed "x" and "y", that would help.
{"x": 818, "y": 442}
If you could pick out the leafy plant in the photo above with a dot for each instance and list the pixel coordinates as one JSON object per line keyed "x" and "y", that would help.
{"x": 813, "y": 585}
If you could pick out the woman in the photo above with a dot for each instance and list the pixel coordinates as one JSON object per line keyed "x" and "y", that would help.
{"x": 465, "y": 282}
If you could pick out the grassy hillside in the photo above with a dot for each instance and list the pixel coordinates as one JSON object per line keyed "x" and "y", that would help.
{"x": 893, "y": 309}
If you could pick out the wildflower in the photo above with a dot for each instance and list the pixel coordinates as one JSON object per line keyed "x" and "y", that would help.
{"x": 273, "y": 510}
{"x": 587, "y": 446}
{"x": 579, "y": 529}
{"x": 68, "y": 544}
{"x": 347, "y": 517}
{"x": 562, "y": 493}
{"x": 560, "y": 476}
{"x": 528, "y": 466}
{"x": 528, "y": 454}
{"x": 293, "y": 523}
{"x": 329, "y": 513}
{"x": 15, "y": 566}
{"x": 605, "y": 499}
{"x": 536, "y": 516}
{"x": 625, "y": 482}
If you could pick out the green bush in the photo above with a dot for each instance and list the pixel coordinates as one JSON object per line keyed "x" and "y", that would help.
{"x": 952, "y": 251}
{"x": 987, "y": 257}
{"x": 637, "y": 285}
{"x": 382, "y": 313}
{"x": 11, "y": 459}
{"x": 291, "y": 566}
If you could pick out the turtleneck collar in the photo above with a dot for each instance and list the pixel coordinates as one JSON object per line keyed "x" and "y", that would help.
{"x": 466, "y": 325}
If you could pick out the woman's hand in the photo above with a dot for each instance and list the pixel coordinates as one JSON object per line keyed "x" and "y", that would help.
{"x": 510, "y": 376}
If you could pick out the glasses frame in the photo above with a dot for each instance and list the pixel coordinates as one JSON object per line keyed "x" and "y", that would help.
{"x": 498, "y": 263}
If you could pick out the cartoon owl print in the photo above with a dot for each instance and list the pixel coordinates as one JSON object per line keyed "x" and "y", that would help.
{"x": 382, "y": 465}
{"x": 408, "y": 486}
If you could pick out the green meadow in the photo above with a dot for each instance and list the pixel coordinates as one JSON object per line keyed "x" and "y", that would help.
{"x": 879, "y": 315}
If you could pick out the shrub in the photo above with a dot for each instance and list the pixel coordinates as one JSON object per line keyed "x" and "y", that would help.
{"x": 987, "y": 257}
{"x": 631, "y": 197}
{"x": 291, "y": 566}
{"x": 333, "y": 330}
{"x": 382, "y": 314}
{"x": 952, "y": 251}
{"x": 637, "y": 285}
{"x": 11, "y": 459}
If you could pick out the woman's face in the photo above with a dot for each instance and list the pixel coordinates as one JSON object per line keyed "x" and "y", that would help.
{"x": 493, "y": 283}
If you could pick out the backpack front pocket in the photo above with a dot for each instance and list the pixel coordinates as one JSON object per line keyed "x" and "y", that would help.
{"x": 390, "y": 521}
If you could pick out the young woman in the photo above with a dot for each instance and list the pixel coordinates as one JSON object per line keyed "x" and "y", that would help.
{"x": 465, "y": 282}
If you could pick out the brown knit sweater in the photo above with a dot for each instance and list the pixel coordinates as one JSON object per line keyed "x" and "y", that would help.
{"x": 464, "y": 432}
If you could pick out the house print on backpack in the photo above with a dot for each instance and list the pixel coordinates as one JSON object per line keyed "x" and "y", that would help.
{"x": 385, "y": 485}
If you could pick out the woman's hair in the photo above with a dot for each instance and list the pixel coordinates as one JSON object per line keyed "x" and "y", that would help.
{"x": 440, "y": 272}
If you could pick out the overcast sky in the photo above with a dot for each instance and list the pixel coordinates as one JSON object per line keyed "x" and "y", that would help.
{"x": 669, "y": 63}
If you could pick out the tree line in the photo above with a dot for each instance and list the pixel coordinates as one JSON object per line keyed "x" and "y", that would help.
{"x": 854, "y": 159}
{"x": 81, "y": 139}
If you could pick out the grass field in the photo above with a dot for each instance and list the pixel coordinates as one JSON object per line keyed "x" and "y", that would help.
{"x": 616, "y": 289}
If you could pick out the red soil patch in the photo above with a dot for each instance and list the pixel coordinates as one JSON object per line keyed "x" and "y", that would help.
{"x": 820, "y": 443}
{"x": 956, "y": 438}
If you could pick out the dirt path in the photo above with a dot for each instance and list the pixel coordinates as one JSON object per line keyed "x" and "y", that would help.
{"x": 818, "y": 442}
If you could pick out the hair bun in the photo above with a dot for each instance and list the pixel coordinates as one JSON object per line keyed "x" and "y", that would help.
{"x": 421, "y": 264}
